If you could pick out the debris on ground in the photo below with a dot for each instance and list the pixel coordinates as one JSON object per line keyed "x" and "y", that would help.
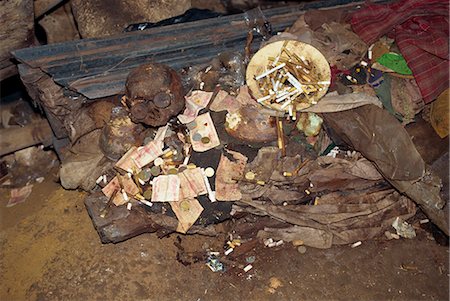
{"x": 19, "y": 195}
{"x": 403, "y": 228}
{"x": 304, "y": 143}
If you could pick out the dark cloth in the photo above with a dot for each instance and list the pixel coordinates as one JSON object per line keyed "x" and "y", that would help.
{"x": 420, "y": 29}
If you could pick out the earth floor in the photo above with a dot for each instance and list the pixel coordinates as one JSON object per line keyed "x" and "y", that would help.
{"x": 51, "y": 251}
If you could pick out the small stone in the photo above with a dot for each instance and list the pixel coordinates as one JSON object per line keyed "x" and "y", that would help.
{"x": 297, "y": 242}
{"x": 301, "y": 249}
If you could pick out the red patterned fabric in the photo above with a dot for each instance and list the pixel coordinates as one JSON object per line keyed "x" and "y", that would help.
{"x": 420, "y": 29}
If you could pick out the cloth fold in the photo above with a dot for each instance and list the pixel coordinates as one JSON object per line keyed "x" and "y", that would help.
{"x": 420, "y": 29}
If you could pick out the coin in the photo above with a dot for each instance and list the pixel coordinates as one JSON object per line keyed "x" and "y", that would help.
{"x": 158, "y": 161}
{"x": 185, "y": 206}
{"x": 155, "y": 171}
{"x": 209, "y": 172}
{"x": 148, "y": 194}
{"x": 197, "y": 137}
{"x": 172, "y": 171}
{"x": 144, "y": 175}
{"x": 250, "y": 175}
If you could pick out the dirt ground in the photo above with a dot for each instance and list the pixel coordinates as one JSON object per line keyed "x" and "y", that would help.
{"x": 50, "y": 251}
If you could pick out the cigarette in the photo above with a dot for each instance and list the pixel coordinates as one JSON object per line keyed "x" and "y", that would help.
{"x": 262, "y": 99}
{"x": 286, "y": 96}
{"x": 276, "y": 60}
{"x": 324, "y": 82}
{"x": 211, "y": 194}
{"x": 270, "y": 71}
{"x": 294, "y": 81}
{"x": 145, "y": 202}
{"x": 369, "y": 54}
{"x": 283, "y": 106}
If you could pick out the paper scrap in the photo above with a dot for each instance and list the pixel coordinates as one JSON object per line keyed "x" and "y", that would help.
{"x": 224, "y": 102}
{"x": 128, "y": 186}
{"x": 19, "y": 195}
{"x": 138, "y": 157}
{"x": 166, "y": 188}
{"x": 194, "y": 103}
{"x": 191, "y": 183}
{"x": 187, "y": 212}
{"x": 203, "y": 134}
{"x": 227, "y": 188}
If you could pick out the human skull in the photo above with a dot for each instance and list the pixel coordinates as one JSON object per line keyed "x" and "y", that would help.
{"x": 154, "y": 94}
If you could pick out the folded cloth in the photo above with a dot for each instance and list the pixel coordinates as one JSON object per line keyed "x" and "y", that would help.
{"x": 420, "y": 29}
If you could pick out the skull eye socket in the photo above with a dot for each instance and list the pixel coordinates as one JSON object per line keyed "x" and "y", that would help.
{"x": 162, "y": 100}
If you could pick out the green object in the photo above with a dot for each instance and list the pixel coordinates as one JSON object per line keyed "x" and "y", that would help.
{"x": 328, "y": 149}
{"x": 383, "y": 92}
{"x": 395, "y": 62}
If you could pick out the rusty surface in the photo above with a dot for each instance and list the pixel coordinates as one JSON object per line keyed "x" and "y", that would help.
{"x": 99, "y": 67}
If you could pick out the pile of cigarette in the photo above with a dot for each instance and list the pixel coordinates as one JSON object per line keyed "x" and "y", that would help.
{"x": 289, "y": 81}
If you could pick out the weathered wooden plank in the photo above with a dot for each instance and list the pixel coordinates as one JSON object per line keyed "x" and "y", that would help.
{"x": 99, "y": 67}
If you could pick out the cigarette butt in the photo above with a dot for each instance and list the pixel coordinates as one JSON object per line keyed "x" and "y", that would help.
{"x": 228, "y": 252}
{"x": 307, "y": 191}
{"x": 356, "y": 244}
{"x": 268, "y": 241}
{"x": 259, "y": 182}
{"x": 248, "y": 268}
{"x": 105, "y": 179}
{"x": 99, "y": 179}
{"x": 270, "y": 71}
{"x": 287, "y": 174}
{"x": 145, "y": 202}
{"x": 125, "y": 196}
{"x": 424, "y": 221}
{"x": 168, "y": 154}
{"x": 279, "y": 243}
{"x": 129, "y": 206}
